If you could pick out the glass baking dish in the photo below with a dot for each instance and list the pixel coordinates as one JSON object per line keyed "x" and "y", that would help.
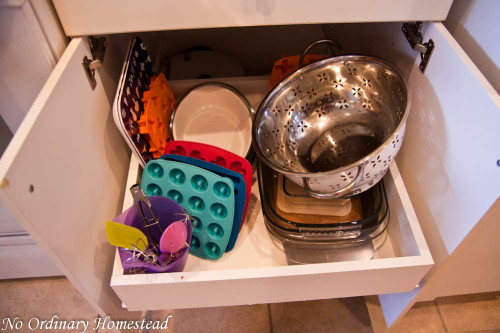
{"x": 316, "y": 238}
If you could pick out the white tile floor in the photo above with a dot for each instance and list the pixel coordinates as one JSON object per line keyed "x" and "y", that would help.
{"x": 42, "y": 298}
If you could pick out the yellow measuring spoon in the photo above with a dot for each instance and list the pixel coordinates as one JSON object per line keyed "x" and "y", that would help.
{"x": 125, "y": 236}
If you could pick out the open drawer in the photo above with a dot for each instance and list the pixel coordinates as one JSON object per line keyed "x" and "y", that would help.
{"x": 65, "y": 173}
{"x": 256, "y": 270}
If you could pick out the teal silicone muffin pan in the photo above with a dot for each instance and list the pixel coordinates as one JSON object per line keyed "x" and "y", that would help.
{"x": 239, "y": 189}
{"x": 206, "y": 196}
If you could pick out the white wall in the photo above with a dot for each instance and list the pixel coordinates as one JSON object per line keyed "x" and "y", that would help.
{"x": 475, "y": 24}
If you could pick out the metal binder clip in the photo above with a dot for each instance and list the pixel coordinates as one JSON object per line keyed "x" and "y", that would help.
{"x": 139, "y": 198}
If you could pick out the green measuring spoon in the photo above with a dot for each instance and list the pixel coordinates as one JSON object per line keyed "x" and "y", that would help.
{"x": 125, "y": 236}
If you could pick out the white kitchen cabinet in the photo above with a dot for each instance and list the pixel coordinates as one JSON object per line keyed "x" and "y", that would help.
{"x": 115, "y": 16}
{"x": 67, "y": 169}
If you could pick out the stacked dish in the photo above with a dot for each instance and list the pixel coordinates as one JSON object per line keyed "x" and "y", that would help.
{"x": 292, "y": 198}
{"x": 315, "y": 238}
{"x": 211, "y": 184}
{"x": 217, "y": 114}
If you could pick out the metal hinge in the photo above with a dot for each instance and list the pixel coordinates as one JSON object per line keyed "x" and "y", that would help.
{"x": 413, "y": 34}
{"x": 98, "y": 49}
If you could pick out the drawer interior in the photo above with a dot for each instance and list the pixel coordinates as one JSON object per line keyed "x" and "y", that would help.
{"x": 256, "y": 248}
{"x": 256, "y": 256}
{"x": 402, "y": 259}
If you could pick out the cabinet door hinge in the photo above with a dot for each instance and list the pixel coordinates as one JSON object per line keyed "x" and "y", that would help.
{"x": 97, "y": 49}
{"x": 413, "y": 34}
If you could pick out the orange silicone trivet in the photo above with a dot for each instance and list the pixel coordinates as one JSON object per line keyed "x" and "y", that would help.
{"x": 158, "y": 106}
{"x": 287, "y": 65}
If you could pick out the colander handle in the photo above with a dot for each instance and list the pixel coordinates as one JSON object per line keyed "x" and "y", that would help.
{"x": 322, "y": 41}
{"x": 339, "y": 193}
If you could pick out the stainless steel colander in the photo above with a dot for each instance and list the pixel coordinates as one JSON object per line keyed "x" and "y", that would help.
{"x": 335, "y": 125}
